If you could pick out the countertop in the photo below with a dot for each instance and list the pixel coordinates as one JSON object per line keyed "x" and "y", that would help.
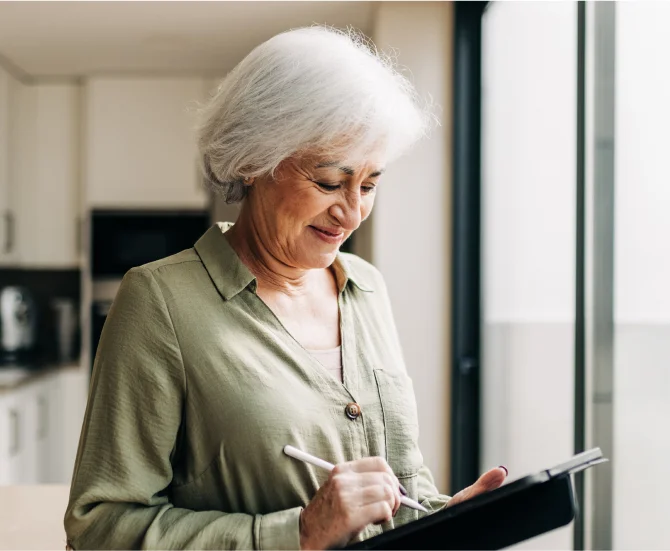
{"x": 31, "y": 517}
{"x": 12, "y": 377}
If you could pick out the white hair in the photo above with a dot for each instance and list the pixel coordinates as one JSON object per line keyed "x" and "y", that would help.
{"x": 313, "y": 89}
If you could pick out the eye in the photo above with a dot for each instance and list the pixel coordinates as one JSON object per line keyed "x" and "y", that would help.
{"x": 326, "y": 186}
{"x": 368, "y": 189}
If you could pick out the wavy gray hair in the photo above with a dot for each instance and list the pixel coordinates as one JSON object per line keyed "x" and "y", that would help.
{"x": 313, "y": 89}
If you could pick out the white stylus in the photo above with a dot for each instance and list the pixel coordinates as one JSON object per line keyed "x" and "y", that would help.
{"x": 308, "y": 458}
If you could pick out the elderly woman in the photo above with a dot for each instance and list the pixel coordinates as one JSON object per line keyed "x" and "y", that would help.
{"x": 263, "y": 334}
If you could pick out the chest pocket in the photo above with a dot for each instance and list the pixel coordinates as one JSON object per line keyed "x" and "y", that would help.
{"x": 401, "y": 424}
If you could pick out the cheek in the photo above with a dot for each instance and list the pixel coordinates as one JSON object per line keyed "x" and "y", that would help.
{"x": 304, "y": 207}
{"x": 366, "y": 206}
{"x": 286, "y": 201}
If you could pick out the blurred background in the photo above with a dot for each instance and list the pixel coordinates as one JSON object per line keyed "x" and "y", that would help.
{"x": 536, "y": 216}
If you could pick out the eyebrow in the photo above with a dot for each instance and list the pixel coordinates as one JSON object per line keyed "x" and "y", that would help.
{"x": 347, "y": 170}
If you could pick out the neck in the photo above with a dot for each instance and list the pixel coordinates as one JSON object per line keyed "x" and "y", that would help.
{"x": 272, "y": 274}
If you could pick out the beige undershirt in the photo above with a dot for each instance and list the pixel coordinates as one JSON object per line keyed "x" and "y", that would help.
{"x": 331, "y": 360}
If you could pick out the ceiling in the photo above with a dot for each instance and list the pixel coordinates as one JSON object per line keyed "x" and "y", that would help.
{"x": 55, "y": 39}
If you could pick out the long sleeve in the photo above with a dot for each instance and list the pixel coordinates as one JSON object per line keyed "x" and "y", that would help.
{"x": 429, "y": 496}
{"x": 120, "y": 490}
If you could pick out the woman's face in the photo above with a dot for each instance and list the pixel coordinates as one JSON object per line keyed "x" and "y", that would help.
{"x": 311, "y": 207}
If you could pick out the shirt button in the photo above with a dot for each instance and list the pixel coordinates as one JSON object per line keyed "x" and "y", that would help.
{"x": 353, "y": 410}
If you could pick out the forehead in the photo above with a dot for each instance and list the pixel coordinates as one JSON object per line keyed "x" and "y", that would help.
{"x": 346, "y": 163}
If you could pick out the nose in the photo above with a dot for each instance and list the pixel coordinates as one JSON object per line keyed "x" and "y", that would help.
{"x": 347, "y": 210}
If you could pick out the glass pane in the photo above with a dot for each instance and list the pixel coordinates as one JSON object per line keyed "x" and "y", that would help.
{"x": 528, "y": 232}
{"x": 642, "y": 278}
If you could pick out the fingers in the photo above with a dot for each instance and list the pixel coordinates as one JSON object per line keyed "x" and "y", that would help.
{"x": 371, "y": 487}
{"x": 371, "y": 465}
{"x": 377, "y": 512}
{"x": 378, "y": 492}
{"x": 370, "y": 479}
{"x": 365, "y": 465}
{"x": 490, "y": 480}
{"x": 386, "y": 491}
{"x": 347, "y": 502}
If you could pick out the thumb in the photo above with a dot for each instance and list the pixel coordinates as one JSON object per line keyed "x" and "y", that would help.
{"x": 490, "y": 480}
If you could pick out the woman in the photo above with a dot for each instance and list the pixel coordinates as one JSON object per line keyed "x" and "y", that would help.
{"x": 263, "y": 335}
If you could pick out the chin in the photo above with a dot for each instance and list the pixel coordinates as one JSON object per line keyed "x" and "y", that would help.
{"x": 320, "y": 260}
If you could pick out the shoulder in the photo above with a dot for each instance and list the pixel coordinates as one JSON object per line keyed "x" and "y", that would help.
{"x": 172, "y": 263}
{"x": 155, "y": 278}
{"x": 178, "y": 268}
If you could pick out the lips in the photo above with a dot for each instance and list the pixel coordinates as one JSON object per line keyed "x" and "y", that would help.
{"x": 329, "y": 232}
{"x": 329, "y": 235}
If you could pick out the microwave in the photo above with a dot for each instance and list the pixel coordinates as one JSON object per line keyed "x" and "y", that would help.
{"x": 123, "y": 239}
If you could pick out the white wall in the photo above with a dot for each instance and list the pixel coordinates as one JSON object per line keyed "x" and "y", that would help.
{"x": 529, "y": 113}
{"x": 409, "y": 231}
{"x": 642, "y": 278}
{"x": 528, "y": 238}
{"x": 642, "y": 259}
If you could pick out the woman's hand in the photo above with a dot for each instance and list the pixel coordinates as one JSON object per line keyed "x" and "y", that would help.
{"x": 490, "y": 480}
{"x": 356, "y": 494}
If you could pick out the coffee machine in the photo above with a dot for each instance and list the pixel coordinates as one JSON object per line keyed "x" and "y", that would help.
{"x": 18, "y": 324}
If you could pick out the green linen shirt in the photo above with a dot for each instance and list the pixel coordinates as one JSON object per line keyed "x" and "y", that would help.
{"x": 197, "y": 387}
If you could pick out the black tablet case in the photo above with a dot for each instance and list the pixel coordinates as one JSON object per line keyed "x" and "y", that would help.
{"x": 514, "y": 512}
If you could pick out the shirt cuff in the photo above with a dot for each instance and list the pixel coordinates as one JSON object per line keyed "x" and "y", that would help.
{"x": 280, "y": 530}
{"x": 434, "y": 504}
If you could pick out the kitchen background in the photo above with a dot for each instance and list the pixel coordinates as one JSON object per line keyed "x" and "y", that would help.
{"x": 98, "y": 173}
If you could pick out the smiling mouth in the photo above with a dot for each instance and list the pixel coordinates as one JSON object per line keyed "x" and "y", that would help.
{"x": 330, "y": 236}
{"x": 326, "y": 232}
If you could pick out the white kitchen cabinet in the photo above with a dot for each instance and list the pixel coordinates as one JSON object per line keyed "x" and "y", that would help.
{"x": 45, "y": 182}
{"x": 7, "y": 436}
{"x": 11, "y": 423}
{"x": 140, "y": 149}
{"x": 4, "y": 158}
{"x": 71, "y": 391}
{"x": 25, "y": 460}
{"x": 40, "y": 424}
{"x": 47, "y": 430}
{"x": 18, "y": 456}
{"x": 7, "y": 248}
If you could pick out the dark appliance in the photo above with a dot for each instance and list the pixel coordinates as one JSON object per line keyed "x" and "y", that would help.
{"x": 18, "y": 324}
{"x": 121, "y": 240}
{"x": 99, "y": 311}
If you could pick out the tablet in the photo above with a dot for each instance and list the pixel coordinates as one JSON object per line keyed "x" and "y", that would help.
{"x": 516, "y": 511}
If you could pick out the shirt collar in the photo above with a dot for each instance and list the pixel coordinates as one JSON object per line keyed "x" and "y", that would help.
{"x": 345, "y": 271}
{"x": 231, "y": 276}
{"x": 228, "y": 273}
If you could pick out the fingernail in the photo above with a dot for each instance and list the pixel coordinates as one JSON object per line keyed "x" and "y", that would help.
{"x": 504, "y": 468}
{"x": 402, "y": 489}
